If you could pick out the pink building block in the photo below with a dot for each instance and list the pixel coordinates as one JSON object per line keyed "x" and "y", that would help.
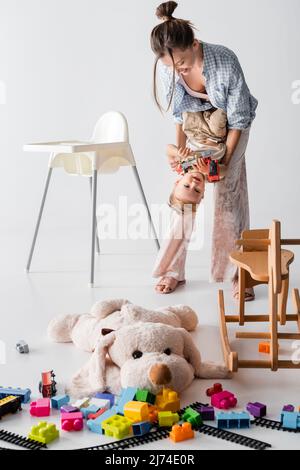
{"x": 223, "y": 400}
{"x": 40, "y": 407}
{"x": 72, "y": 421}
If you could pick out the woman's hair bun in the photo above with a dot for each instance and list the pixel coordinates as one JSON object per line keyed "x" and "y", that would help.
{"x": 165, "y": 10}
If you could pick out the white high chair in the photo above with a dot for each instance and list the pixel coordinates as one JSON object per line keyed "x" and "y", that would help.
{"x": 108, "y": 150}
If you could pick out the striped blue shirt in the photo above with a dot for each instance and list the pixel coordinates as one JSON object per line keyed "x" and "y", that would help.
{"x": 225, "y": 85}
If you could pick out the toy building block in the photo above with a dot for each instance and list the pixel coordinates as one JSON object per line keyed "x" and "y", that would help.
{"x": 146, "y": 396}
{"x": 167, "y": 400}
{"x": 289, "y": 408}
{"x": 182, "y": 433}
{"x": 47, "y": 385}
{"x": 117, "y": 426}
{"x": 153, "y": 413}
{"x": 71, "y": 421}
{"x": 106, "y": 396}
{"x": 207, "y": 413}
{"x": 91, "y": 409}
{"x": 167, "y": 418}
{"x": 22, "y": 347}
{"x": 192, "y": 417}
{"x": 81, "y": 403}
{"x": 223, "y": 400}
{"x": 94, "y": 425}
{"x": 44, "y": 432}
{"x": 233, "y": 420}
{"x": 290, "y": 420}
{"x": 68, "y": 409}
{"x": 100, "y": 403}
{"x": 140, "y": 429}
{"x": 258, "y": 410}
{"x": 216, "y": 388}
{"x": 97, "y": 414}
{"x": 264, "y": 347}
{"x": 136, "y": 411}
{"x": 58, "y": 402}
{"x": 127, "y": 395}
{"x": 24, "y": 394}
{"x": 40, "y": 408}
{"x": 9, "y": 404}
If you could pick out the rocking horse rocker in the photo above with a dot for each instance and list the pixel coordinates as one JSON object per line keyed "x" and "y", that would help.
{"x": 261, "y": 260}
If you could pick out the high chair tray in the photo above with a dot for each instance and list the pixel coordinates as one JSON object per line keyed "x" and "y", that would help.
{"x": 70, "y": 146}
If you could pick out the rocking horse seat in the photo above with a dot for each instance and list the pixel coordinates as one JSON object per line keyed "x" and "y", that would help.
{"x": 257, "y": 264}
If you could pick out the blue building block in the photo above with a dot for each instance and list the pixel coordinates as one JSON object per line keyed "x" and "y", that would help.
{"x": 91, "y": 409}
{"x": 106, "y": 396}
{"x": 58, "y": 401}
{"x": 127, "y": 395}
{"x": 139, "y": 429}
{"x": 233, "y": 420}
{"x": 94, "y": 425}
{"x": 290, "y": 420}
{"x": 24, "y": 394}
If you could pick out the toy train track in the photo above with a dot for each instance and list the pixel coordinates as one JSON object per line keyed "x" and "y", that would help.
{"x": 162, "y": 433}
{"x": 233, "y": 437}
{"x": 20, "y": 441}
{"x": 269, "y": 424}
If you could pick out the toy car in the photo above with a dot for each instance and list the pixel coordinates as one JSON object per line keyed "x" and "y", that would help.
{"x": 22, "y": 347}
{"x": 9, "y": 404}
{"x": 47, "y": 386}
{"x": 207, "y": 156}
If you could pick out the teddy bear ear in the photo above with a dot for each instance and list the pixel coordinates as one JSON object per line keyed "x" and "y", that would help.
{"x": 91, "y": 378}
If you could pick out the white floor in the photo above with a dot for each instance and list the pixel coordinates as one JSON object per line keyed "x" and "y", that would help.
{"x": 58, "y": 284}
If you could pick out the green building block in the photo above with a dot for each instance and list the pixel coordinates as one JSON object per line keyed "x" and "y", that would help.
{"x": 145, "y": 396}
{"x": 117, "y": 426}
{"x": 44, "y": 432}
{"x": 192, "y": 416}
{"x": 167, "y": 418}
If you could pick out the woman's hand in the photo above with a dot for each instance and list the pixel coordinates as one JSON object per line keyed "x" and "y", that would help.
{"x": 202, "y": 166}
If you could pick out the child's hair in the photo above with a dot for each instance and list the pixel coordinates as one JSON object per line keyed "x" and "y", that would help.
{"x": 172, "y": 33}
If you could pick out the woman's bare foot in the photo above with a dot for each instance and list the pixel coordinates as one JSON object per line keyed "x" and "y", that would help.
{"x": 166, "y": 285}
{"x": 249, "y": 292}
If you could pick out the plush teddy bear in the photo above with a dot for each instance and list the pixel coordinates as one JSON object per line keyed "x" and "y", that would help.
{"x": 134, "y": 347}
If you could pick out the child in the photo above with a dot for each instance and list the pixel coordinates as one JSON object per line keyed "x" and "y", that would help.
{"x": 205, "y": 131}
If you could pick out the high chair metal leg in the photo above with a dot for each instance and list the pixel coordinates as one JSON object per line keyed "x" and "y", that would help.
{"x": 94, "y": 207}
{"x": 36, "y": 231}
{"x": 137, "y": 177}
{"x": 97, "y": 236}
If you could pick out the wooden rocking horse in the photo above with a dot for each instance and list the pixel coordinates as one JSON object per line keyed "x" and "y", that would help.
{"x": 261, "y": 260}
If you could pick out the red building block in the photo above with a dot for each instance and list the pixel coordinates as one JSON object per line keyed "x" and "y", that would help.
{"x": 72, "y": 421}
{"x": 216, "y": 388}
{"x": 40, "y": 407}
{"x": 223, "y": 400}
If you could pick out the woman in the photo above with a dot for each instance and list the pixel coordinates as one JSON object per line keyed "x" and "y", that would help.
{"x": 198, "y": 76}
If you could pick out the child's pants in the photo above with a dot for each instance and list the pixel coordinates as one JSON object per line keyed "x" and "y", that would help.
{"x": 231, "y": 217}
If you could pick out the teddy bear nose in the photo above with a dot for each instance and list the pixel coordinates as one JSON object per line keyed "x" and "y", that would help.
{"x": 160, "y": 374}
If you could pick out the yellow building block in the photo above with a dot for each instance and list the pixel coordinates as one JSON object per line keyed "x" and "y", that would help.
{"x": 44, "y": 432}
{"x": 117, "y": 426}
{"x": 136, "y": 411}
{"x": 167, "y": 400}
{"x": 167, "y": 418}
